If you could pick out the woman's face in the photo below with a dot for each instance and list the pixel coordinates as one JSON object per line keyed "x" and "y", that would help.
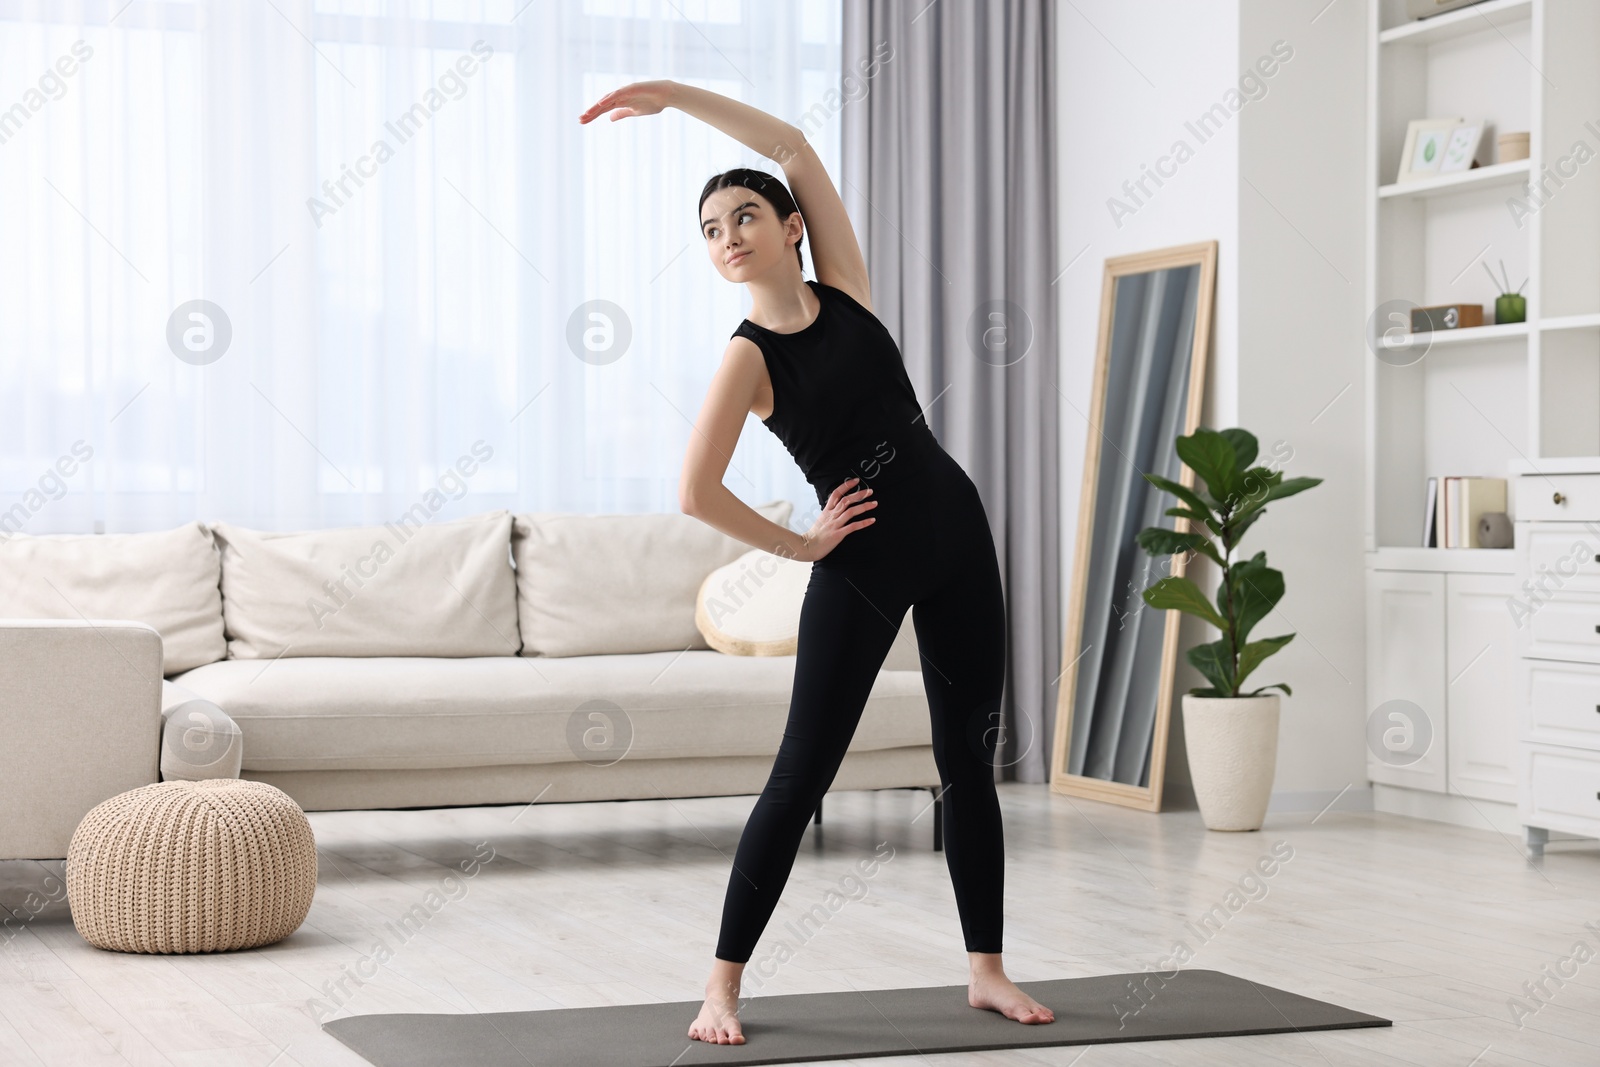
{"x": 741, "y": 226}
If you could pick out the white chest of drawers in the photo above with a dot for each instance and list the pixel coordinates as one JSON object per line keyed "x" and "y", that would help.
{"x": 1557, "y": 612}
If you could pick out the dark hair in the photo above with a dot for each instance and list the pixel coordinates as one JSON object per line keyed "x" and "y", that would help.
{"x": 761, "y": 182}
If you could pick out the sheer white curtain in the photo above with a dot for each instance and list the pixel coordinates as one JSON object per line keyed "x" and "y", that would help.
{"x": 424, "y": 280}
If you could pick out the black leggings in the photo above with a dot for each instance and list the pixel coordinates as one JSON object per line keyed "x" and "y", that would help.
{"x": 931, "y": 548}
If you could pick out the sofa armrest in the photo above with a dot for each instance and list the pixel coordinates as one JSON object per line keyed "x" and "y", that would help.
{"x": 80, "y": 714}
{"x": 198, "y": 739}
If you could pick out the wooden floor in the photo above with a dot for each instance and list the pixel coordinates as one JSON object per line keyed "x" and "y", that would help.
{"x": 1436, "y": 927}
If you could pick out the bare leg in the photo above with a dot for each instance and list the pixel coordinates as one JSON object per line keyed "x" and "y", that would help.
{"x": 988, "y": 987}
{"x": 718, "y": 1021}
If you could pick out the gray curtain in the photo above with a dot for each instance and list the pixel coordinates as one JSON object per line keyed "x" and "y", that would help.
{"x": 948, "y": 173}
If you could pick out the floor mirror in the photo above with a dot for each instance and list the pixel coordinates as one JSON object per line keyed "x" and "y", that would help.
{"x": 1120, "y": 655}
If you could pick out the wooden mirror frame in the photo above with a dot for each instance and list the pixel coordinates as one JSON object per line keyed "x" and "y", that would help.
{"x": 1146, "y": 798}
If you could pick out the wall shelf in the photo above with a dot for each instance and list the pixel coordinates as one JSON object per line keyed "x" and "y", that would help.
{"x": 1570, "y": 322}
{"x": 1509, "y": 331}
{"x": 1489, "y": 177}
{"x": 1459, "y": 23}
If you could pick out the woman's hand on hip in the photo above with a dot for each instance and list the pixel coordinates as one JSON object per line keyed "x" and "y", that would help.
{"x": 636, "y": 98}
{"x": 837, "y": 520}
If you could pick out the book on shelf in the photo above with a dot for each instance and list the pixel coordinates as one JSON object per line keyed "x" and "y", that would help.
{"x": 1430, "y": 528}
{"x": 1456, "y": 502}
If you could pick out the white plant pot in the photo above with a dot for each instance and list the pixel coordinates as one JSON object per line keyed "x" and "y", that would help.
{"x": 1233, "y": 752}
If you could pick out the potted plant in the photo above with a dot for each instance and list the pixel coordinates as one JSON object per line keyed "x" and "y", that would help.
{"x": 1232, "y": 736}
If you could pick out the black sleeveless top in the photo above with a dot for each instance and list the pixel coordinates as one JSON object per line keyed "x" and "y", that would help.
{"x": 842, "y": 403}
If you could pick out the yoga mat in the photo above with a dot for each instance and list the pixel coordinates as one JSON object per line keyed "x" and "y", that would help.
{"x": 847, "y": 1025}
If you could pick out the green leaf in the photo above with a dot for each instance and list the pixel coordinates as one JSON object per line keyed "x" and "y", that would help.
{"x": 1275, "y": 685}
{"x": 1254, "y": 485}
{"x": 1244, "y": 446}
{"x": 1279, "y": 490}
{"x": 1291, "y": 486}
{"x": 1257, "y": 588}
{"x": 1197, "y": 518}
{"x": 1160, "y": 541}
{"x": 1209, "y": 455}
{"x": 1180, "y": 594}
{"x": 1205, "y": 691}
{"x": 1214, "y": 661}
{"x": 1251, "y": 655}
{"x": 1179, "y": 490}
{"x": 1239, "y": 524}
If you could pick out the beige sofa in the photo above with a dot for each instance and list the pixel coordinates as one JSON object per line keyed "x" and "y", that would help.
{"x": 494, "y": 659}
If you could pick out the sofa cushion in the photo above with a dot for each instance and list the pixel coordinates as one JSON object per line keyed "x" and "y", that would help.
{"x": 332, "y": 713}
{"x": 400, "y": 589}
{"x": 609, "y": 584}
{"x": 751, "y": 607}
{"x": 742, "y": 609}
{"x": 166, "y": 579}
{"x": 198, "y": 740}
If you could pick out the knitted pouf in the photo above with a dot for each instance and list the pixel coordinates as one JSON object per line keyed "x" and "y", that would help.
{"x": 202, "y": 866}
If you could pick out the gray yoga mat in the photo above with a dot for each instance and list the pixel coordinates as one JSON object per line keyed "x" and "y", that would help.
{"x": 848, "y": 1025}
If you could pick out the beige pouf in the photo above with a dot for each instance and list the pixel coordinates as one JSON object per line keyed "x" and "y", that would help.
{"x": 202, "y": 866}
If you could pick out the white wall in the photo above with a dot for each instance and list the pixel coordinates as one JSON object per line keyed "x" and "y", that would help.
{"x": 1300, "y": 373}
{"x": 1134, "y": 80}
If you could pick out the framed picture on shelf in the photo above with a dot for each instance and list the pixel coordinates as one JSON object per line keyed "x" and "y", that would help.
{"x": 1424, "y": 150}
{"x": 1461, "y": 150}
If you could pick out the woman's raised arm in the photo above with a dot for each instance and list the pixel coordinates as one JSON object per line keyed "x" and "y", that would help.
{"x": 754, "y": 128}
{"x": 834, "y": 248}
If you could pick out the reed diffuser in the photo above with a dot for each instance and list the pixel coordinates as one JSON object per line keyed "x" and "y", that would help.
{"x": 1510, "y": 305}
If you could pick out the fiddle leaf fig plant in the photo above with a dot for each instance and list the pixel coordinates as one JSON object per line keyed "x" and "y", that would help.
{"x": 1234, "y": 496}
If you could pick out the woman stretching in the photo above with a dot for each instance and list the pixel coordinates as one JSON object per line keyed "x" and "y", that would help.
{"x": 901, "y": 525}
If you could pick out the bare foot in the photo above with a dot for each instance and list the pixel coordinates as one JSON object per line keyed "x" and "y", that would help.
{"x": 718, "y": 1021}
{"x": 999, "y": 993}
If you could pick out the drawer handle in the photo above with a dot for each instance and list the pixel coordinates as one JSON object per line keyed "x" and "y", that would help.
{"x": 1559, "y": 499}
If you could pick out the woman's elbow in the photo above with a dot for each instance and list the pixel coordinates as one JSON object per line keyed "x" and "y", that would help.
{"x": 690, "y": 496}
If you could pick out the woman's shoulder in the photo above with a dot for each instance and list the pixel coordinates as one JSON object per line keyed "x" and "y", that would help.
{"x": 841, "y": 294}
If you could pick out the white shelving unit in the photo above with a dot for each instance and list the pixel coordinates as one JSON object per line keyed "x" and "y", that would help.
{"x": 1514, "y": 400}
